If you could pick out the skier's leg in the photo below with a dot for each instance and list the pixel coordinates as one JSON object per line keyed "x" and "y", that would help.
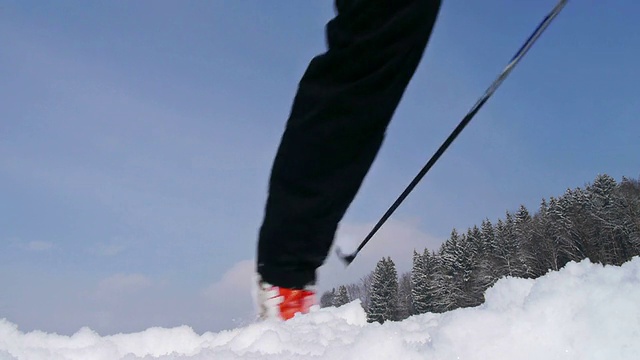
{"x": 344, "y": 103}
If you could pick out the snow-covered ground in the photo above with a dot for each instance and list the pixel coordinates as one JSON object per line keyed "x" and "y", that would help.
{"x": 584, "y": 311}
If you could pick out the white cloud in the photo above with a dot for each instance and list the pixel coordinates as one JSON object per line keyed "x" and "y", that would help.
{"x": 396, "y": 239}
{"x": 237, "y": 279}
{"x": 127, "y": 302}
{"x": 133, "y": 301}
{"x": 232, "y": 294}
{"x": 584, "y": 311}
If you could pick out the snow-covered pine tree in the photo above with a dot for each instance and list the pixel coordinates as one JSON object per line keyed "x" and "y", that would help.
{"x": 506, "y": 250}
{"x": 559, "y": 225}
{"x": 419, "y": 294}
{"x": 603, "y": 220}
{"x": 405, "y": 303}
{"x": 628, "y": 210}
{"x": 341, "y": 297}
{"x": 481, "y": 277}
{"x": 525, "y": 246}
{"x": 384, "y": 292}
{"x": 423, "y": 286}
{"x": 547, "y": 250}
{"x": 578, "y": 230}
{"x": 488, "y": 238}
{"x": 600, "y": 192}
{"x": 378, "y": 302}
{"x": 448, "y": 278}
{"x": 326, "y": 300}
{"x": 392, "y": 290}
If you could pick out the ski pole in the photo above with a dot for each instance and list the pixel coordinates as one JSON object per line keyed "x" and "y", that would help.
{"x": 348, "y": 258}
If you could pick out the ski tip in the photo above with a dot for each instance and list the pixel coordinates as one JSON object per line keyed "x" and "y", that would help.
{"x": 346, "y": 259}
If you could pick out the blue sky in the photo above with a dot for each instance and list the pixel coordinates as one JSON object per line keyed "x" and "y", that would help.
{"x": 136, "y": 140}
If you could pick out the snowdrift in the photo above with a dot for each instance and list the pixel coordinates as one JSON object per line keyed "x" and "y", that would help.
{"x": 584, "y": 311}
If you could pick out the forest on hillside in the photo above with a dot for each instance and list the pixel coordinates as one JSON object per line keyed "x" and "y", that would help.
{"x": 600, "y": 222}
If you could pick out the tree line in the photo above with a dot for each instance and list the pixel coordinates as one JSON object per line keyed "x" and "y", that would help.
{"x": 600, "y": 222}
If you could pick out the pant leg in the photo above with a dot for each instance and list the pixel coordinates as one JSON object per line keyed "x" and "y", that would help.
{"x": 343, "y": 105}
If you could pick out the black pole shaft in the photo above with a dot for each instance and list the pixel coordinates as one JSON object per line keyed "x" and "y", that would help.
{"x": 478, "y": 105}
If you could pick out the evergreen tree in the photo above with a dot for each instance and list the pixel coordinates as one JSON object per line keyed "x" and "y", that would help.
{"x": 547, "y": 250}
{"x": 577, "y": 230}
{"x": 405, "y": 301}
{"x": 341, "y": 296}
{"x": 601, "y": 193}
{"x": 627, "y": 229}
{"x": 481, "y": 277}
{"x": 384, "y": 292}
{"x": 601, "y": 208}
{"x": 419, "y": 294}
{"x": 559, "y": 224}
{"x": 600, "y": 222}
{"x": 326, "y": 300}
{"x": 506, "y": 252}
{"x": 444, "y": 296}
{"x": 524, "y": 241}
{"x": 488, "y": 239}
{"x": 423, "y": 286}
{"x": 466, "y": 281}
{"x": 449, "y": 277}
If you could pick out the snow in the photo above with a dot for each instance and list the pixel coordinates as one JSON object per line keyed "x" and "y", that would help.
{"x": 583, "y": 311}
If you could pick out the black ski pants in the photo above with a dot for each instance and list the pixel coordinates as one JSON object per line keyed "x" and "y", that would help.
{"x": 338, "y": 119}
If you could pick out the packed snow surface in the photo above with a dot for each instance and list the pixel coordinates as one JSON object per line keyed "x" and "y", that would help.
{"x": 583, "y": 311}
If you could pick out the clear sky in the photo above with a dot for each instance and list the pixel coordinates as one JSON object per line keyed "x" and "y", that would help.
{"x": 136, "y": 139}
